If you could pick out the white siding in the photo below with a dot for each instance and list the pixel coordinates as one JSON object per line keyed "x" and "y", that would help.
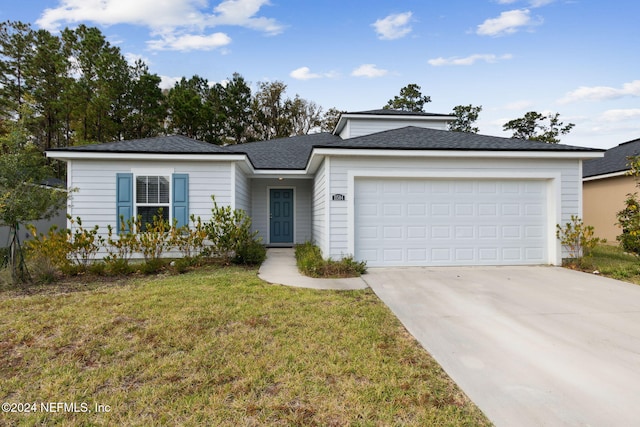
{"x": 318, "y": 208}
{"x": 94, "y": 200}
{"x": 242, "y": 191}
{"x": 260, "y": 206}
{"x": 359, "y": 127}
{"x": 568, "y": 172}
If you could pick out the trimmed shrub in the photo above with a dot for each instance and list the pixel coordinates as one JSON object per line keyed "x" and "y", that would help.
{"x": 310, "y": 263}
{"x": 250, "y": 253}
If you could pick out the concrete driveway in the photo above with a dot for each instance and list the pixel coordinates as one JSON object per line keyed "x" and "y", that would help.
{"x": 531, "y": 346}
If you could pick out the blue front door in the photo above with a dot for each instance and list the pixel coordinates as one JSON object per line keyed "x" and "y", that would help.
{"x": 281, "y": 215}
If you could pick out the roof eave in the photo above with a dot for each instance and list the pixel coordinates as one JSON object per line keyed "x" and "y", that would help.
{"x": 379, "y": 152}
{"x": 605, "y": 175}
{"x": 102, "y": 155}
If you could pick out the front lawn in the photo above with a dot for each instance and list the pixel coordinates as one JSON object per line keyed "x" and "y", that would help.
{"x": 612, "y": 261}
{"x": 217, "y": 346}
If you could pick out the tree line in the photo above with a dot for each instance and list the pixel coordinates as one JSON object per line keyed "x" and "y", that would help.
{"x": 76, "y": 88}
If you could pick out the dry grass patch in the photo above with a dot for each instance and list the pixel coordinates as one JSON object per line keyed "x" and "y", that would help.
{"x": 220, "y": 347}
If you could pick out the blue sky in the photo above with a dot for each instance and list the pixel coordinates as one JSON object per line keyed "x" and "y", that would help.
{"x": 576, "y": 57}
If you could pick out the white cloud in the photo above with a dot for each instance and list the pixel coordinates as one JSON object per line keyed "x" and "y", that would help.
{"x": 189, "y": 42}
{"x": 175, "y": 21}
{"x": 619, "y": 115}
{"x": 133, "y": 57}
{"x": 369, "y": 70}
{"x": 242, "y": 13}
{"x": 394, "y": 26}
{"x": 469, "y": 60}
{"x": 507, "y": 23}
{"x": 598, "y": 93}
{"x": 304, "y": 73}
{"x": 167, "y": 82}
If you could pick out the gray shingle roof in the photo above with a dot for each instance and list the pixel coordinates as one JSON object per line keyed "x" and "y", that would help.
{"x": 417, "y": 138}
{"x": 614, "y": 160}
{"x": 173, "y": 144}
{"x": 293, "y": 153}
{"x": 283, "y": 153}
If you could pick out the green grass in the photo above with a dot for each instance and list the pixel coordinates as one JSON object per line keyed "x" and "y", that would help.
{"x": 310, "y": 263}
{"x": 612, "y": 261}
{"x": 218, "y": 346}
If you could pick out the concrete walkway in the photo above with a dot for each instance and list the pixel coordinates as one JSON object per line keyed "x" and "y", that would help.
{"x": 280, "y": 268}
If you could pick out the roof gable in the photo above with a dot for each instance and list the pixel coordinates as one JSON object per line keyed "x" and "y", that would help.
{"x": 615, "y": 160}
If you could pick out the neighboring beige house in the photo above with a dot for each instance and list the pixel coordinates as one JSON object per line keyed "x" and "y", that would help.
{"x": 605, "y": 186}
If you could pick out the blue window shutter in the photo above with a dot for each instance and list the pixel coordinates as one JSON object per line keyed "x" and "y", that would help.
{"x": 124, "y": 198}
{"x": 180, "y": 202}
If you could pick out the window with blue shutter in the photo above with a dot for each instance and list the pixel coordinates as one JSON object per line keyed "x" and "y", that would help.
{"x": 180, "y": 202}
{"x": 124, "y": 199}
{"x": 151, "y": 198}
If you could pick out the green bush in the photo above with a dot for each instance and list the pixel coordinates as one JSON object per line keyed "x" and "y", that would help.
{"x": 189, "y": 240}
{"x": 228, "y": 230}
{"x": 49, "y": 252}
{"x": 97, "y": 268}
{"x": 152, "y": 266}
{"x": 84, "y": 244}
{"x": 577, "y": 238}
{"x": 117, "y": 267}
{"x": 250, "y": 253}
{"x": 123, "y": 244}
{"x": 310, "y": 262}
{"x": 629, "y": 221}
{"x": 154, "y": 238}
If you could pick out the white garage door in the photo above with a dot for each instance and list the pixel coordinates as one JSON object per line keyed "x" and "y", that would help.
{"x": 417, "y": 222}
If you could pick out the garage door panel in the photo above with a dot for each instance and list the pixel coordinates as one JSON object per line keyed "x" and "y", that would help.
{"x": 417, "y": 209}
{"x": 392, "y": 209}
{"x": 440, "y": 209}
{"x": 419, "y": 232}
{"x": 417, "y": 255}
{"x": 464, "y": 209}
{"x": 450, "y": 222}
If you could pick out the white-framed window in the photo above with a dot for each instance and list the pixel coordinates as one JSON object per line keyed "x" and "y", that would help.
{"x": 152, "y": 197}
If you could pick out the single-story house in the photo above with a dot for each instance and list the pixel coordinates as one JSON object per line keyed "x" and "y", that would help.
{"x": 390, "y": 187}
{"x": 605, "y": 185}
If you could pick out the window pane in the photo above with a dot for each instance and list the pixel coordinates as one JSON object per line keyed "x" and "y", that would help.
{"x": 163, "y": 196}
{"x": 148, "y": 212}
{"x": 141, "y": 189}
{"x": 152, "y": 189}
